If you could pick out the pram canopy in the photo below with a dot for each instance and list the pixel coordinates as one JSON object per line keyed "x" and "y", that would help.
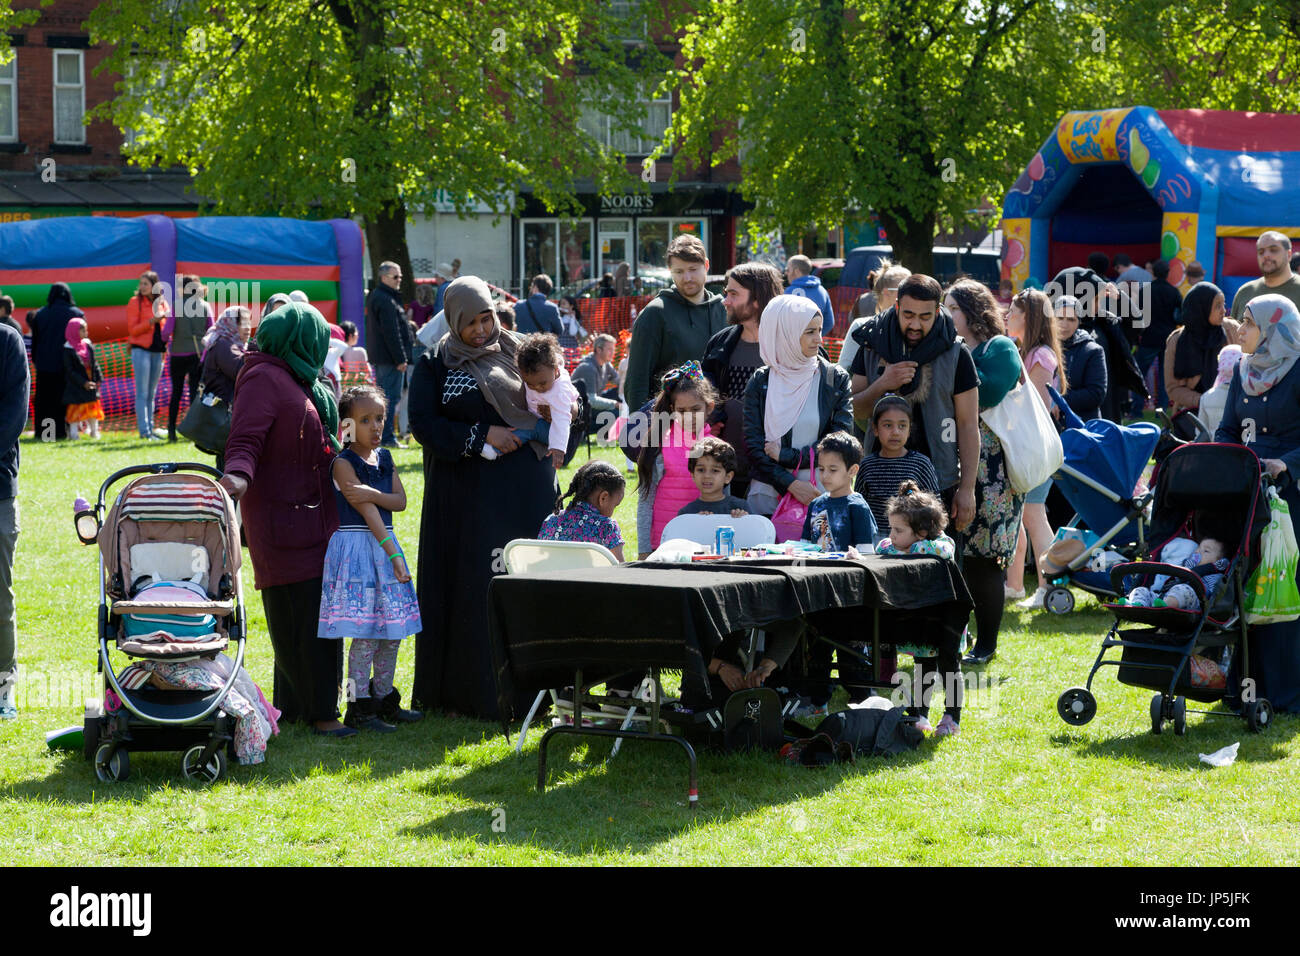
{"x": 1114, "y": 457}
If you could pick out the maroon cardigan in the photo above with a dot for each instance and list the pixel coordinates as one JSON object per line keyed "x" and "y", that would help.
{"x": 278, "y": 444}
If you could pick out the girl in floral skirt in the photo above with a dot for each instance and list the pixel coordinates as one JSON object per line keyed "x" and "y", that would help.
{"x": 367, "y": 593}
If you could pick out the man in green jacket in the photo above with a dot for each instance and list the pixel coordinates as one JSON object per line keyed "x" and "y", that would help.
{"x": 676, "y": 325}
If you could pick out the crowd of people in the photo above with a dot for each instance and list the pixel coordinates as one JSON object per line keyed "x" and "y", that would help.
{"x": 883, "y": 448}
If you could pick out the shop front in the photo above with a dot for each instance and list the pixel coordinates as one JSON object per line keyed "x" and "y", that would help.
{"x": 632, "y": 228}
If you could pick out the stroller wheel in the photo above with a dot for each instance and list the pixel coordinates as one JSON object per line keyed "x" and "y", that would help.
{"x": 1059, "y": 600}
{"x": 210, "y": 772}
{"x": 1157, "y": 713}
{"x": 112, "y": 764}
{"x": 1077, "y": 706}
{"x": 1180, "y": 716}
{"x": 1259, "y": 715}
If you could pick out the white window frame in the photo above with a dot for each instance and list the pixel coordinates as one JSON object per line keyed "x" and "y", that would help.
{"x": 81, "y": 85}
{"x": 129, "y": 136}
{"x": 600, "y": 126}
{"x": 9, "y": 87}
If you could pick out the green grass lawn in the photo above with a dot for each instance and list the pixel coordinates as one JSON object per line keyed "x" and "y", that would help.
{"x": 1018, "y": 786}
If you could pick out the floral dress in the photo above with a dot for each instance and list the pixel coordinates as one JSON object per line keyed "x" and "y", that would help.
{"x": 581, "y": 521}
{"x": 993, "y": 531}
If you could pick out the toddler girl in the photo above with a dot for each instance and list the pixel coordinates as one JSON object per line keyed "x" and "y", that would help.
{"x": 678, "y": 419}
{"x": 916, "y": 524}
{"x": 1209, "y": 563}
{"x": 597, "y": 489}
{"x": 367, "y": 593}
{"x": 540, "y": 361}
{"x": 82, "y": 374}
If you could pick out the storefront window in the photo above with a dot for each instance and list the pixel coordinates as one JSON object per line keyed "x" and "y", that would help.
{"x": 652, "y": 238}
{"x": 539, "y": 248}
{"x": 575, "y": 239}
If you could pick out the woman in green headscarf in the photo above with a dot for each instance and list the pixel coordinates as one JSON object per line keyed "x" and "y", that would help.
{"x": 283, "y": 437}
{"x": 465, "y": 393}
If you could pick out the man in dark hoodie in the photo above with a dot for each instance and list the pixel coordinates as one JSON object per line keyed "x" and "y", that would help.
{"x": 14, "y": 385}
{"x": 49, "y": 332}
{"x": 676, "y": 325}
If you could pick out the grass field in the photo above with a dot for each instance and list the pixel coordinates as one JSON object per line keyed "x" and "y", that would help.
{"x": 1018, "y": 786}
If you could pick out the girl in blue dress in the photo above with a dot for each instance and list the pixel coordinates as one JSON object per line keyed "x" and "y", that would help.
{"x": 367, "y": 593}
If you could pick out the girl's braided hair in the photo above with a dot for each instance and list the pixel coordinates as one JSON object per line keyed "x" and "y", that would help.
{"x": 594, "y": 476}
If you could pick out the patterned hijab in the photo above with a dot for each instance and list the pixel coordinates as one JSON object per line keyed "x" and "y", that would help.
{"x": 225, "y": 329}
{"x": 791, "y": 374}
{"x": 493, "y": 363}
{"x": 1279, "y": 343}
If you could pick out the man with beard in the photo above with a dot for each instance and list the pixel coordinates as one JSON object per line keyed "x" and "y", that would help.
{"x": 913, "y": 349}
{"x": 731, "y": 357}
{"x": 1276, "y": 278}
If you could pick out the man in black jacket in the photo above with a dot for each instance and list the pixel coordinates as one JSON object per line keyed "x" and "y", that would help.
{"x": 14, "y": 385}
{"x": 388, "y": 341}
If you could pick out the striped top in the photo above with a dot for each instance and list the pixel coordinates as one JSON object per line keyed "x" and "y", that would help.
{"x": 879, "y": 478}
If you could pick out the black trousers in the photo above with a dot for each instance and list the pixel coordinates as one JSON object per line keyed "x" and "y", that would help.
{"x": 47, "y": 404}
{"x": 308, "y": 669}
{"x": 985, "y": 580}
{"x": 181, "y": 368}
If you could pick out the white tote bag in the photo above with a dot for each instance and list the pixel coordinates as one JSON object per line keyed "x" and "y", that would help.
{"x": 1029, "y": 439}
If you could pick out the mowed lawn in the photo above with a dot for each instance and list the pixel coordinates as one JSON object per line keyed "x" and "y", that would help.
{"x": 1018, "y": 786}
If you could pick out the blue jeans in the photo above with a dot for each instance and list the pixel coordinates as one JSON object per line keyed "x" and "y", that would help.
{"x": 390, "y": 380}
{"x": 147, "y": 367}
{"x": 540, "y": 432}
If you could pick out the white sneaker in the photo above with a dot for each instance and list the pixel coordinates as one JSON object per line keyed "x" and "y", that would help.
{"x": 1012, "y": 595}
{"x": 8, "y": 710}
{"x": 1034, "y": 602}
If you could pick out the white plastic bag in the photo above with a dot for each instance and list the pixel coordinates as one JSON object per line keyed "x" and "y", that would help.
{"x": 1029, "y": 439}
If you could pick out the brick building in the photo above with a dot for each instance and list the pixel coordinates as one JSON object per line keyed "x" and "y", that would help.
{"x": 51, "y": 162}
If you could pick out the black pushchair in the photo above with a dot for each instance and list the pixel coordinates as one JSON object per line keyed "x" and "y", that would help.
{"x": 1212, "y": 490}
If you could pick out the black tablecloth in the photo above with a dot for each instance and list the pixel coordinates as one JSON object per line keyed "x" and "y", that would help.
{"x": 652, "y": 614}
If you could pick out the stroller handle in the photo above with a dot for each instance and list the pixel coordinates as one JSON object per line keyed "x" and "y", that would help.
{"x": 158, "y": 468}
{"x": 1068, "y": 416}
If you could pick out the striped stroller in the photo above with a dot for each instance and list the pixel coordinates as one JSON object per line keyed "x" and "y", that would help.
{"x": 169, "y": 593}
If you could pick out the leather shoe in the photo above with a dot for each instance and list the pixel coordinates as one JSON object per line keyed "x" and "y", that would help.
{"x": 976, "y": 659}
{"x": 336, "y": 732}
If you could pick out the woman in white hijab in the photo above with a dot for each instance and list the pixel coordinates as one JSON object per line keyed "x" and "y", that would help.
{"x": 791, "y": 403}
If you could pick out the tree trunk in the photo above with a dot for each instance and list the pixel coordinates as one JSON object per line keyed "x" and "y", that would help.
{"x": 912, "y": 239}
{"x": 386, "y": 242}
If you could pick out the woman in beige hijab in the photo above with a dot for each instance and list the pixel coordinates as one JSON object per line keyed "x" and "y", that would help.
{"x": 464, "y": 393}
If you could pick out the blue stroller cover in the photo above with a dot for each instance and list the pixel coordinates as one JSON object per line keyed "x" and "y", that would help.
{"x": 1111, "y": 455}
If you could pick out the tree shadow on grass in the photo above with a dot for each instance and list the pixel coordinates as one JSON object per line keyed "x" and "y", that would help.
{"x": 631, "y": 803}
{"x": 1204, "y": 735}
{"x": 291, "y": 757}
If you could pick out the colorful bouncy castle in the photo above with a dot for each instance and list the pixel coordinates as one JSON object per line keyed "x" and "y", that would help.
{"x": 242, "y": 260}
{"x": 1183, "y": 185}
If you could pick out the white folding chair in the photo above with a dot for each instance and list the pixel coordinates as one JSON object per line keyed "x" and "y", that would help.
{"x": 527, "y": 556}
{"x": 751, "y": 530}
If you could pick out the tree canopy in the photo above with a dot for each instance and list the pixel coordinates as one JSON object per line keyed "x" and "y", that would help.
{"x": 926, "y": 111}
{"x": 369, "y": 107}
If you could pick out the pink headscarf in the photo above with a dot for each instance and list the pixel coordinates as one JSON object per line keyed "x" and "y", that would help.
{"x": 791, "y": 374}
{"x": 75, "y": 333}
{"x": 1229, "y": 357}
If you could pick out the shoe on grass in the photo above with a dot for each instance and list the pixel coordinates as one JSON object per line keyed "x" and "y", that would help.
{"x": 1011, "y": 594}
{"x": 8, "y": 709}
{"x": 947, "y": 727}
{"x": 923, "y": 725}
{"x": 1034, "y": 602}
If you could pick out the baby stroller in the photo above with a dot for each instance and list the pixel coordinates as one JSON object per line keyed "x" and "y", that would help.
{"x": 1103, "y": 463}
{"x": 1231, "y": 507}
{"x": 169, "y": 556}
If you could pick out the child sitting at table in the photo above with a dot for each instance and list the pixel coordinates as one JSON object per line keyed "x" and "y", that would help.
{"x": 1207, "y": 562}
{"x": 597, "y": 490}
{"x": 713, "y": 464}
{"x": 840, "y": 518}
{"x": 916, "y": 525}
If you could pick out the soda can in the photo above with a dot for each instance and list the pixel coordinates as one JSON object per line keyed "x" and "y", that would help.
{"x": 725, "y": 540}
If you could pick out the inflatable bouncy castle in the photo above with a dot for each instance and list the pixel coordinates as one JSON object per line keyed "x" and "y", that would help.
{"x": 242, "y": 260}
{"x": 1183, "y": 185}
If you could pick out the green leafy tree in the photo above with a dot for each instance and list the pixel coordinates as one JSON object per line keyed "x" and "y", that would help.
{"x": 924, "y": 112}
{"x": 370, "y": 107}
{"x": 11, "y": 19}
